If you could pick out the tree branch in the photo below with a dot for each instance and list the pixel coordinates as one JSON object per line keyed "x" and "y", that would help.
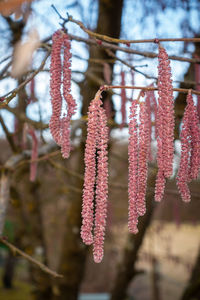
{"x": 8, "y": 135}
{"x": 122, "y": 41}
{"x": 6, "y": 99}
{"x": 29, "y": 258}
{"x": 146, "y": 88}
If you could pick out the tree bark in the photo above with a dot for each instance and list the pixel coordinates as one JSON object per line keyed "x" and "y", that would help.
{"x": 126, "y": 269}
{"x": 192, "y": 290}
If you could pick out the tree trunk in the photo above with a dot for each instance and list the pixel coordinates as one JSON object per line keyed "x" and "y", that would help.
{"x": 192, "y": 290}
{"x": 9, "y": 268}
{"x": 126, "y": 269}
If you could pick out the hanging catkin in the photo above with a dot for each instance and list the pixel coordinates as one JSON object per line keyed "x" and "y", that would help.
{"x": 101, "y": 187}
{"x": 164, "y": 123}
{"x": 133, "y": 168}
{"x": 142, "y": 159}
{"x": 190, "y": 149}
{"x": 97, "y": 140}
{"x": 90, "y": 171}
{"x": 60, "y": 126}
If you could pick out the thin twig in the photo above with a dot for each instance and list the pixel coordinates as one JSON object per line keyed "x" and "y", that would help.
{"x": 5, "y": 58}
{"x": 29, "y": 258}
{"x": 66, "y": 170}
{"x": 7, "y": 99}
{"x": 126, "y": 49}
{"x": 110, "y": 53}
{"x": 8, "y": 135}
{"x": 23, "y": 118}
{"x": 122, "y": 41}
{"x": 149, "y": 88}
{"x": 3, "y": 71}
{"x": 42, "y": 158}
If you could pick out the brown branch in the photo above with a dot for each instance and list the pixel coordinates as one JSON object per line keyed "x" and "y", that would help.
{"x": 22, "y": 117}
{"x": 110, "y": 53}
{"x": 122, "y": 41}
{"x": 8, "y": 135}
{"x": 15, "y": 160}
{"x": 3, "y": 71}
{"x": 29, "y": 258}
{"x": 7, "y": 99}
{"x": 42, "y": 158}
{"x": 67, "y": 171}
{"x": 131, "y": 51}
{"x": 126, "y": 49}
{"x": 149, "y": 88}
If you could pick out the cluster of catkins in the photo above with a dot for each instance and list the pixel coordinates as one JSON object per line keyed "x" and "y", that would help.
{"x": 95, "y": 190}
{"x": 190, "y": 149}
{"x": 60, "y": 73}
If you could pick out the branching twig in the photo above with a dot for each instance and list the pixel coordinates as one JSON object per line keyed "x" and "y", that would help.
{"x": 146, "y": 88}
{"x": 29, "y": 258}
{"x": 3, "y": 71}
{"x": 8, "y": 135}
{"x": 67, "y": 171}
{"x": 22, "y": 117}
{"x": 13, "y": 93}
{"x": 127, "y": 49}
{"x": 122, "y": 41}
{"x": 110, "y": 53}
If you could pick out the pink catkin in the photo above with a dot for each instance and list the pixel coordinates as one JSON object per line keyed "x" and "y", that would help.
{"x": 71, "y": 104}
{"x": 182, "y": 176}
{"x": 123, "y": 101}
{"x": 142, "y": 160}
{"x": 133, "y": 169}
{"x": 60, "y": 127}
{"x": 55, "y": 86}
{"x": 164, "y": 124}
{"x": 97, "y": 140}
{"x": 90, "y": 171}
{"x": 190, "y": 149}
{"x": 197, "y": 79}
{"x": 148, "y": 109}
{"x": 34, "y": 155}
{"x": 165, "y": 100}
{"x": 154, "y": 107}
{"x": 160, "y": 186}
{"x": 101, "y": 187}
{"x": 195, "y": 139}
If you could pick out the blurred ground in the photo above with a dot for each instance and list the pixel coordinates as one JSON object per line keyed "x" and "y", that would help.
{"x": 169, "y": 248}
{"x": 165, "y": 241}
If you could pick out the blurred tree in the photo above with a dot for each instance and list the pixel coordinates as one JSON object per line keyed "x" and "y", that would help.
{"x": 73, "y": 253}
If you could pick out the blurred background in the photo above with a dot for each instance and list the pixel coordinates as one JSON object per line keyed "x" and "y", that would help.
{"x": 44, "y": 216}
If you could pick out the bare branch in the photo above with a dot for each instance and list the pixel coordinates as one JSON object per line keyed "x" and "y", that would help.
{"x": 147, "y": 88}
{"x": 29, "y": 258}
{"x": 8, "y": 135}
{"x": 22, "y": 117}
{"x": 128, "y": 42}
{"x": 7, "y": 99}
{"x": 126, "y": 49}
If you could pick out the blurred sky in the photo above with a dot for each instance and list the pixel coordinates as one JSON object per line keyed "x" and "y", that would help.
{"x": 46, "y": 21}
